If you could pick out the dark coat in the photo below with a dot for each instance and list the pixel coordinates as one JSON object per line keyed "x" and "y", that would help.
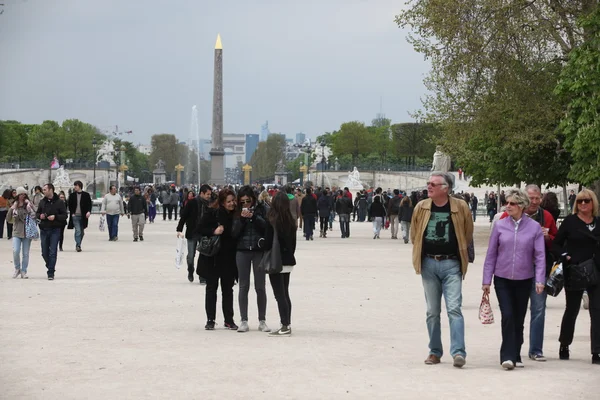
{"x": 248, "y": 231}
{"x": 309, "y": 205}
{"x": 85, "y": 204}
{"x": 54, "y": 206}
{"x": 191, "y": 215}
{"x": 223, "y": 264}
{"x": 137, "y": 205}
{"x": 406, "y": 213}
{"x": 377, "y": 210}
{"x": 324, "y": 206}
{"x": 343, "y": 205}
{"x": 287, "y": 244}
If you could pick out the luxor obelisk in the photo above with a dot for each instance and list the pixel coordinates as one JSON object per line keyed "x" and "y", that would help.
{"x": 217, "y": 162}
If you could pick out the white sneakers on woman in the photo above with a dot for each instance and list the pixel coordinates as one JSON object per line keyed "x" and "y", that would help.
{"x": 262, "y": 326}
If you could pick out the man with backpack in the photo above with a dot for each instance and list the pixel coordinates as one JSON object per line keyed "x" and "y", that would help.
{"x": 393, "y": 211}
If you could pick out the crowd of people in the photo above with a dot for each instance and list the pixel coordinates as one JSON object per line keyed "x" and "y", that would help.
{"x": 249, "y": 222}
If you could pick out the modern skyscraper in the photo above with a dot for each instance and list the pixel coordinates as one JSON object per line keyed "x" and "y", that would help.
{"x": 251, "y": 145}
{"x": 300, "y": 138}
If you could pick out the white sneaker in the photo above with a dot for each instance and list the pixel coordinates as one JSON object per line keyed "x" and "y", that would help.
{"x": 24, "y": 275}
{"x": 262, "y": 326}
{"x": 519, "y": 364}
{"x": 586, "y": 301}
{"x": 243, "y": 327}
{"x": 16, "y": 273}
{"x": 508, "y": 365}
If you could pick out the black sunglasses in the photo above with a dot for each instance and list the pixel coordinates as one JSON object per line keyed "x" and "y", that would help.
{"x": 585, "y": 201}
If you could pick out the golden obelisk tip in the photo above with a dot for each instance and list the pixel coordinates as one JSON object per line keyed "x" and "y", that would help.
{"x": 218, "y": 45}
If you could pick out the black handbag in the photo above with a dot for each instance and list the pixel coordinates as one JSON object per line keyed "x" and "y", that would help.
{"x": 271, "y": 260}
{"x": 209, "y": 245}
{"x": 583, "y": 275}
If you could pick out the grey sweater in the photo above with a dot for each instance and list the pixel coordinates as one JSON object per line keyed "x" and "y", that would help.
{"x": 112, "y": 204}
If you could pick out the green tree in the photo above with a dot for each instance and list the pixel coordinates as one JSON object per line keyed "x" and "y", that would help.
{"x": 164, "y": 147}
{"x": 352, "y": 138}
{"x": 485, "y": 54}
{"x": 266, "y": 157}
{"x": 413, "y": 139}
{"x": 46, "y": 141}
{"x": 579, "y": 87}
{"x": 78, "y": 139}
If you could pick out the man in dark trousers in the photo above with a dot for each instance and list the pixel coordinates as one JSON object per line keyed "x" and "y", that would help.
{"x": 80, "y": 209}
{"x": 343, "y": 207}
{"x": 52, "y": 214}
{"x": 309, "y": 212}
{"x": 191, "y": 215}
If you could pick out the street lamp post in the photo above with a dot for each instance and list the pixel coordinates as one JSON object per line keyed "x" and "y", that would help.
{"x": 94, "y": 143}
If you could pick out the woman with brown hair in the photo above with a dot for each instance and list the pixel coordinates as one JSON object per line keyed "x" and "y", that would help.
{"x": 577, "y": 241}
{"x": 218, "y": 221}
{"x": 550, "y": 204}
{"x": 20, "y": 210}
{"x": 280, "y": 221}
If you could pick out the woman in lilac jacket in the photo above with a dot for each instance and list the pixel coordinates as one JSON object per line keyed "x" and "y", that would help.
{"x": 515, "y": 256}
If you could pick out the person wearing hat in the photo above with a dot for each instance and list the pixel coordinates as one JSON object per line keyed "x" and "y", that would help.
{"x": 20, "y": 210}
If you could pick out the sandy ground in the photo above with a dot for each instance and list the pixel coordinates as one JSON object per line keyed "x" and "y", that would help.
{"x": 121, "y": 322}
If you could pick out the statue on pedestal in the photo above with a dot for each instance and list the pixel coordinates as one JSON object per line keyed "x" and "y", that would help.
{"x": 441, "y": 161}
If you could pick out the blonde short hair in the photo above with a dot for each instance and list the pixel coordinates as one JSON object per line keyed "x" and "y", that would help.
{"x": 587, "y": 194}
{"x": 519, "y": 196}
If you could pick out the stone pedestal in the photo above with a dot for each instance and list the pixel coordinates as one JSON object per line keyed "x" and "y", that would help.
{"x": 217, "y": 167}
{"x": 159, "y": 176}
{"x": 281, "y": 178}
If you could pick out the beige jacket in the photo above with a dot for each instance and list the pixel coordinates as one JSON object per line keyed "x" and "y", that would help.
{"x": 463, "y": 227}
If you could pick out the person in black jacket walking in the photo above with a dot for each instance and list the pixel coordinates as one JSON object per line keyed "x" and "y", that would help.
{"x": 280, "y": 220}
{"x": 249, "y": 228}
{"x": 405, "y": 216}
{"x": 80, "y": 209}
{"x": 52, "y": 214}
{"x": 309, "y": 212}
{"x": 343, "y": 208}
{"x": 377, "y": 214}
{"x": 324, "y": 207}
{"x": 191, "y": 215}
{"x": 138, "y": 208}
{"x": 218, "y": 221}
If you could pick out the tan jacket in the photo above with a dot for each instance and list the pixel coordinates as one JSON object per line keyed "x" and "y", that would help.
{"x": 463, "y": 227}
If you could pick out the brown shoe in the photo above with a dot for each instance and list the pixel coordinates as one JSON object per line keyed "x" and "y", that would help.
{"x": 432, "y": 359}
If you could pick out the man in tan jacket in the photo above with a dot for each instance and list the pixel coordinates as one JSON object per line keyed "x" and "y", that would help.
{"x": 442, "y": 228}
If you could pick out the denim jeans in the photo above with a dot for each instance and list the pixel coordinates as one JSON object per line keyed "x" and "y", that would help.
{"x": 191, "y": 248}
{"x": 394, "y": 222}
{"x": 344, "y": 224}
{"x": 79, "y": 233}
{"x": 309, "y": 225}
{"x": 113, "y": 225}
{"x": 21, "y": 244}
{"x": 444, "y": 278}
{"x": 405, "y": 230}
{"x": 512, "y": 299}
{"x": 538, "y": 319}
{"x": 377, "y": 223}
{"x": 49, "y": 240}
{"x": 474, "y": 212}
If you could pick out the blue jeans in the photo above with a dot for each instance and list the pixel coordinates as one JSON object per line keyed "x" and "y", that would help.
{"x": 78, "y": 225}
{"x": 538, "y": 319}
{"x": 345, "y": 224}
{"x": 309, "y": 225}
{"x": 19, "y": 244}
{"x": 444, "y": 278}
{"x": 113, "y": 225}
{"x": 49, "y": 240}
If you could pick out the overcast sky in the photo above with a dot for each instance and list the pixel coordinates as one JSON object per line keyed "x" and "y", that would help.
{"x": 305, "y": 66}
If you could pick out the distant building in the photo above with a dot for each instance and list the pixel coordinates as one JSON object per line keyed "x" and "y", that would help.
{"x": 300, "y": 138}
{"x": 144, "y": 149}
{"x": 289, "y": 141}
{"x": 251, "y": 145}
{"x": 264, "y": 131}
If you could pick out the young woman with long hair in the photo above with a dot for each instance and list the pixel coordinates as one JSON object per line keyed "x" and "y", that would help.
{"x": 20, "y": 210}
{"x": 281, "y": 222}
{"x": 249, "y": 224}
{"x": 218, "y": 221}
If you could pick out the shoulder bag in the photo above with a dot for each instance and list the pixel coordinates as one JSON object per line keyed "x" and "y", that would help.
{"x": 271, "y": 260}
{"x": 584, "y": 274}
{"x": 31, "y": 228}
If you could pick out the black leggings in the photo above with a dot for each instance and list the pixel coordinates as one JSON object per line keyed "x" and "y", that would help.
{"x": 573, "y": 303}
{"x": 324, "y": 221}
{"x": 281, "y": 285}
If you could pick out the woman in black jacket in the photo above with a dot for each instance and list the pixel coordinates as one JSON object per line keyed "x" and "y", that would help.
{"x": 218, "y": 221}
{"x": 579, "y": 237}
{"x": 405, "y": 216}
{"x": 377, "y": 214}
{"x": 280, "y": 220}
{"x": 249, "y": 226}
{"x": 324, "y": 206}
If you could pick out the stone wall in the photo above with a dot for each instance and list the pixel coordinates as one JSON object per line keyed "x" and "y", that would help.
{"x": 33, "y": 177}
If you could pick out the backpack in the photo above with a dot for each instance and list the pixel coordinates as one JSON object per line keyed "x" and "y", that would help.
{"x": 395, "y": 208}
